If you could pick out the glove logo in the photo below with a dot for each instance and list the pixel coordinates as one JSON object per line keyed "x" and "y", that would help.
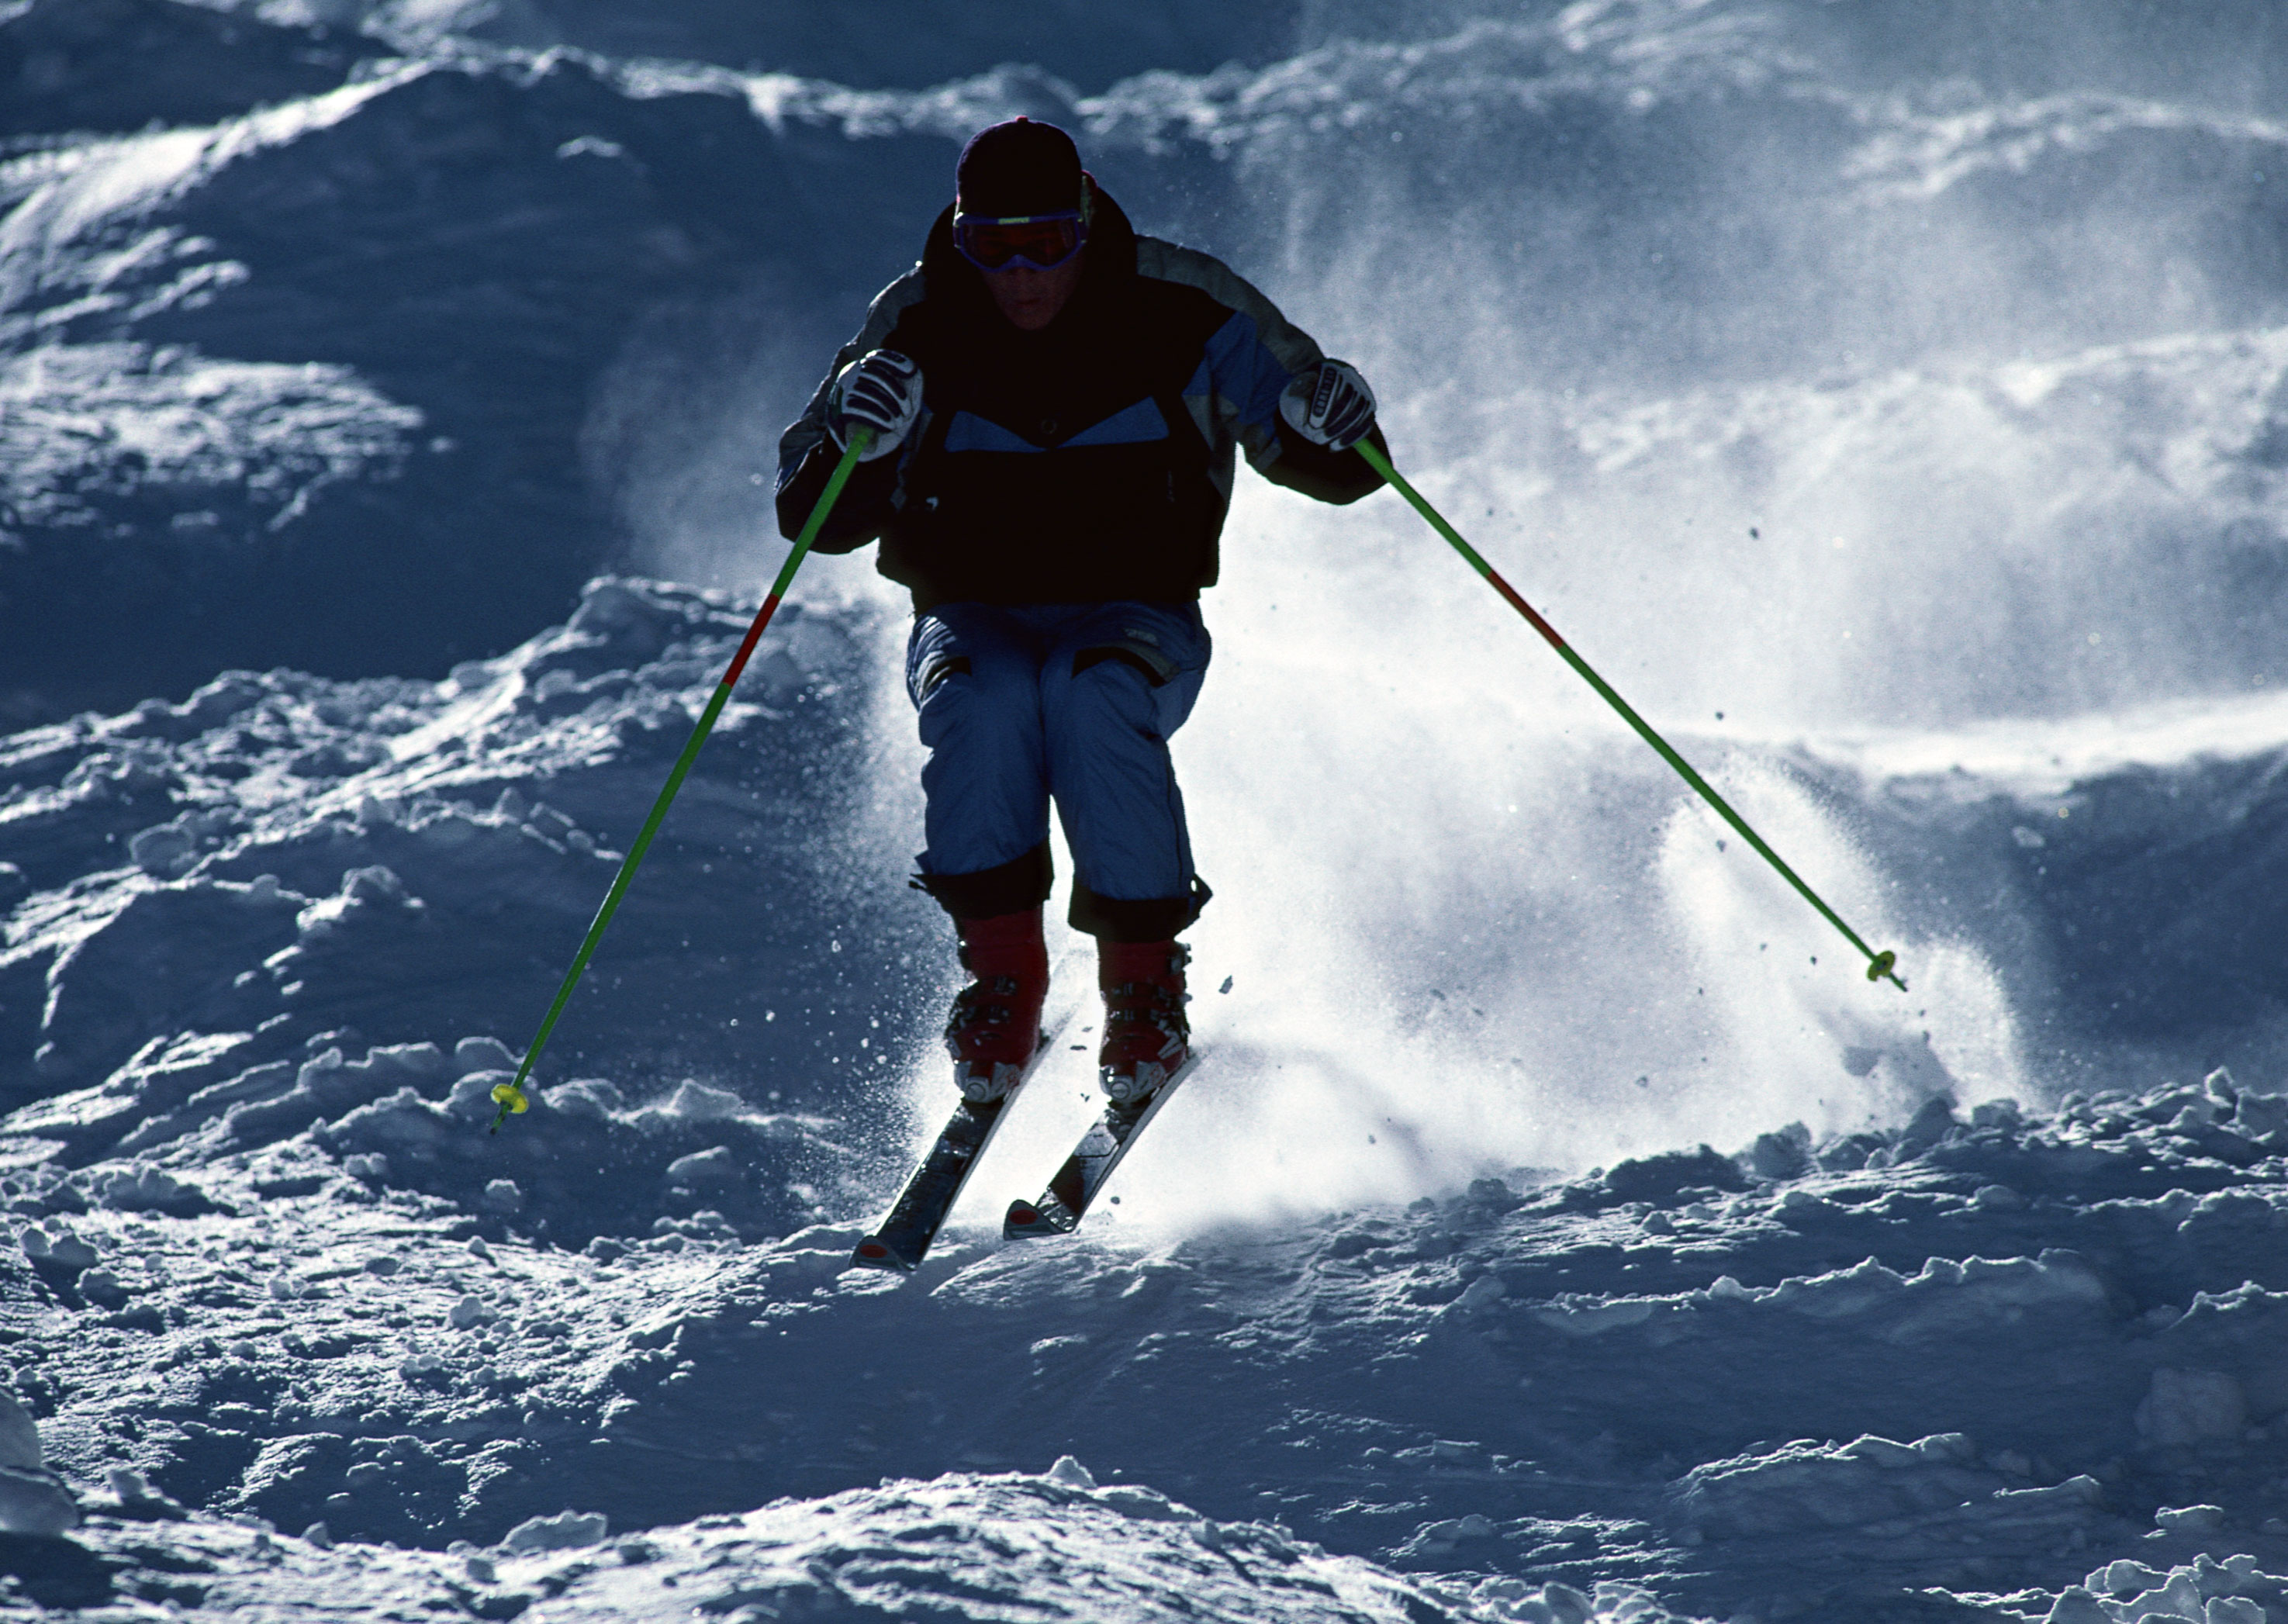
{"x": 1331, "y": 407}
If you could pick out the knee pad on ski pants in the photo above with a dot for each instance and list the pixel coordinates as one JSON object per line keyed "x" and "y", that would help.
{"x": 1015, "y": 701}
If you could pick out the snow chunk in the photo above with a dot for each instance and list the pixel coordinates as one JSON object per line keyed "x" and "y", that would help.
{"x": 472, "y": 1096}
{"x": 1881, "y": 1451}
{"x": 2187, "y": 1407}
{"x": 1071, "y": 1473}
{"x": 1561, "y": 1604}
{"x": 53, "y": 1242}
{"x": 365, "y": 891}
{"x": 20, "y": 1436}
{"x": 2126, "y": 1578}
{"x": 32, "y": 1499}
{"x": 589, "y": 1096}
{"x": 703, "y": 1166}
{"x": 1803, "y": 1486}
{"x": 1953, "y": 1447}
{"x": 1663, "y": 1179}
{"x": 693, "y": 1101}
{"x": 1784, "y": 1154}
{"x": 1801, "y": 1209}
{"x": 1932, "y": 1123}
{"x": 35, "y": 1502}
{"x": 1480, "y": 1294}
{"x": 481, "y": 1054}
{"x": 1434, "y": 1541}
{"x": 404, "y": 1121}
{"x": 2229, "y": 1592}
{"x": 164, "y": 851}
{"x": 2261, "y": 1116}
{"x": 132, "y": 1489}
{"x": 423, "y": 1366}
{"x": 1148, "y": 1505}
{"x": 2003, "y": 1113}
{"x": 2189, "y": 1519}
{"x": 1590, "y": 1316}
{"x": 566, "y": 1530}
{"x": 1937, "y": 1300}
{"x": 2076, "y": 1605}
{"x": 144, "y": 1188}
{"x": 635, "y": 625}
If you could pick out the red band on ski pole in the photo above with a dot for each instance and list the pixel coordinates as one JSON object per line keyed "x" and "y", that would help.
{"x": 754, "y": 636}
{"x": 1526, "y": 609}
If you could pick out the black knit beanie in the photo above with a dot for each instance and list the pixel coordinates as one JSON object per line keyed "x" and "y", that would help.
{"x": 1019, "y": 167}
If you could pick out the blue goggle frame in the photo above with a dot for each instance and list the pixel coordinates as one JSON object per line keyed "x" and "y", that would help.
{"x": 1037, "y": 241}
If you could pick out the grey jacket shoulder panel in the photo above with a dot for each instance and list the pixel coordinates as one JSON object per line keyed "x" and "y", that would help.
{"x": 806, "y": 431}
{"x": 1172, "y": 262}
{"x": 1249, "y": 362}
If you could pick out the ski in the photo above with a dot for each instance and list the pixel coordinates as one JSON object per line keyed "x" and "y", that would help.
{"x": 1066, "y": 1200}
{"x": 915, "y": 1218}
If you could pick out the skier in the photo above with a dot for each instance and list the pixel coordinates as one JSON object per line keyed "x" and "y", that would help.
{"x": 1054, "y": 401}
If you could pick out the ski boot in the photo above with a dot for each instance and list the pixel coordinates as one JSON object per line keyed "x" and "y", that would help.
{"x": 1147, "y": 1039}
{"x": 995, "y": 1023}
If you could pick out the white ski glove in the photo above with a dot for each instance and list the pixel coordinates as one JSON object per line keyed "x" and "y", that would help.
{"x": 881, "y": 391}
{"x": 1331, "y": 407}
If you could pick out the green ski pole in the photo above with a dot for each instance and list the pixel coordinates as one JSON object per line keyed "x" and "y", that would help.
{"x": 1880, "y": 966}
{"x": 511, "y": 1096}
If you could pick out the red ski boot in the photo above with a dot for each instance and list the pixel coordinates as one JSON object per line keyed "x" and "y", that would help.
{"x": 1146, "y": 1040}
{"x": 995, "y": 1023}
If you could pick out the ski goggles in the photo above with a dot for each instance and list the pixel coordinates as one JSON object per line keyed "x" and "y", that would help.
{"x": 1038, "y": 241}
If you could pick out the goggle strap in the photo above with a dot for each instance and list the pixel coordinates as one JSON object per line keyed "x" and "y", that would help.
{"x": 964, "y": 222}
{"x": 1084, "y": 213}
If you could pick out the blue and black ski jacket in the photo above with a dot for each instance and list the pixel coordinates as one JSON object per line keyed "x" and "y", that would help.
{"x": 1088, "y": 462}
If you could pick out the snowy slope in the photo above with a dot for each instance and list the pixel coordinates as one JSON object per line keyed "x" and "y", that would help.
{"x": 314, "y": 1290}
{"x": 557, "y": 303}
{"x": 1889, "y": 400}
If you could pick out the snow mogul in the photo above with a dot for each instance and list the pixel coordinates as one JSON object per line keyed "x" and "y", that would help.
{"x": 1054, "y": 402}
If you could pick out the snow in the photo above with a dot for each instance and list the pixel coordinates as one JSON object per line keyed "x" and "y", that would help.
{"x": 2039, "y": 1381}
{"x": 1887, "y": 402}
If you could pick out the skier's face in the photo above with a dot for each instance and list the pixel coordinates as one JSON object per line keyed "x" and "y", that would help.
{"x": 1031, "y": 298}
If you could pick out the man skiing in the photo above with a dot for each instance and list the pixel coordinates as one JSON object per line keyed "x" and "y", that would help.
{"x": 1054, "y": 402}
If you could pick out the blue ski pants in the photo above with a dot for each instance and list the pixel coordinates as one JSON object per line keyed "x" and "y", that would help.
{"x": 1020, "y": 705}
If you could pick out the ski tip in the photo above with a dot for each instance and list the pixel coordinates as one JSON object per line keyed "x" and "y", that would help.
{"x": 1026, "y": 1221}
{"x": 874, "y": 1253}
